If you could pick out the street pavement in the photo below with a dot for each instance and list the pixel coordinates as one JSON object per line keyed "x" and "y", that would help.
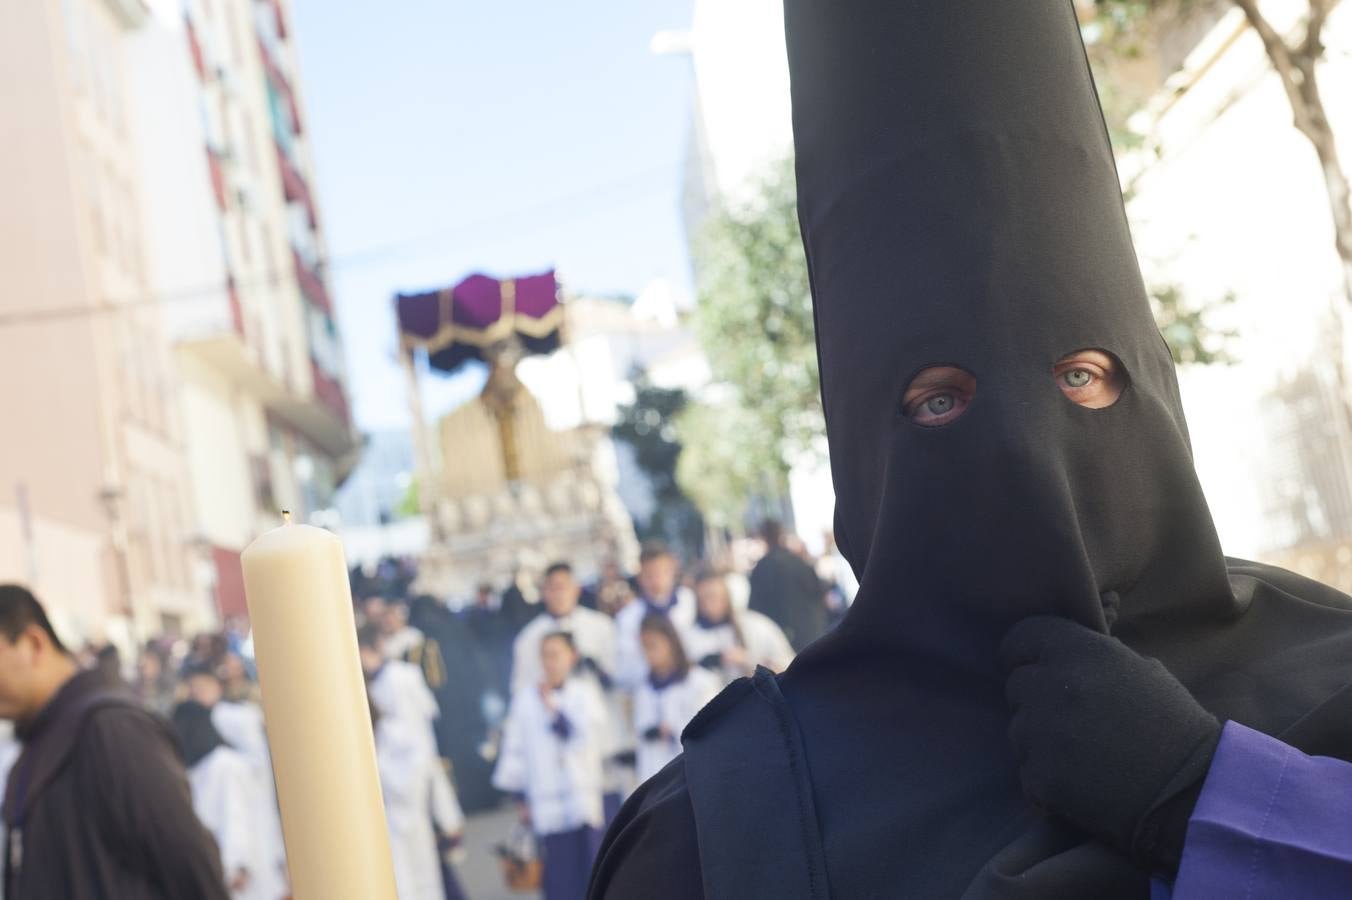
{"x": 479, "y": 873}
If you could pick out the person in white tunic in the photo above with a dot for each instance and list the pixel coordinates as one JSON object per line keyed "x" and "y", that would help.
{"x": 669, "y": 697}
{"x": 240, "y": 725}
{"x": 657, "y": 593}
{"x": 553, "y": 743}
{"x": 226, "y": 796}
{"x": 594, "y": 637}
{"x": 732, "y": 642}
{"x": 413, "y": 786}
{"x": 430, "y": 814}
{"x": 593, "y": 632}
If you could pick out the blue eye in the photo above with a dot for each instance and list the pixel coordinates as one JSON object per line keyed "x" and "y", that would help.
{"x": 939, "y": 404}
{"x": 1077, "y": 378}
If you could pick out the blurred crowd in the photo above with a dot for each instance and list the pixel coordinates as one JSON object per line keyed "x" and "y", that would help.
{"x": 561, "y": 695}
{"x": 555, "y": 694}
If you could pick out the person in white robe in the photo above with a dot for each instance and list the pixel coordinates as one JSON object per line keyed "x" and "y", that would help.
{"x": 669, "y": 697}
{"x": 728, "y": 641}
{"x": 406, "y": 711}
{"x": 226, "y": 795}
{"x": 417, "y": 798}
{"x": 594, "y": 637}
{"x": 658, "y": 592}
{"x": 553, "y": 743}
{"x": 593, "y": 632}
{"x": 240, "y": 724}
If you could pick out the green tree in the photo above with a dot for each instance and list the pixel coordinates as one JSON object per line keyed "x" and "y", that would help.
{"x": 648, "y": 425}
{"x": 755, "y": 322}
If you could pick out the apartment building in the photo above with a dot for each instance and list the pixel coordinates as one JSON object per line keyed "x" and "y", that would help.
{"x": 173, "y": 370}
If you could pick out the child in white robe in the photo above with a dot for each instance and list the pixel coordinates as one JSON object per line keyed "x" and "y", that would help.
{"x": 728, "y": 641}
{"x": 669, "y": 697}
{"x": 553, "y": 743}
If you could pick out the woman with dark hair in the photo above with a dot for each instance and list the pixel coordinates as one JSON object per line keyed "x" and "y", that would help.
{"x": 669, "y": 697}
{"x": 730, "y": 642}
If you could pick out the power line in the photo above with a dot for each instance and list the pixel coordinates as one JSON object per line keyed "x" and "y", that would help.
{"x": 365, "y": 256}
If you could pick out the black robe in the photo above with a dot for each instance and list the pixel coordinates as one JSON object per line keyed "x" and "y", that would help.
{"x": 787, "y": 590}
{"x": 102, "y": 801}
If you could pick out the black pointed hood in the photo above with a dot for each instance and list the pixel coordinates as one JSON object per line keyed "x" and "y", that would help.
{"x": 960, "y": 206}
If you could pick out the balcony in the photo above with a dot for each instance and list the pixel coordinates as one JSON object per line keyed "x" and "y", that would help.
{"x": 311, "y": 285}
{"x": 330, "y": 392}
{"x": 280, "y": 85}
{"x": 322, "y": 415}
{"x": 277, "y": 16}
{"x": 294, "y": 188}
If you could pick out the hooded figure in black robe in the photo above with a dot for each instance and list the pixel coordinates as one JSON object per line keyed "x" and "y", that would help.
{"x": 960, "y": 207}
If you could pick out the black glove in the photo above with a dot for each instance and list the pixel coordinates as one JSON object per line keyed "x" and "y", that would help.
{"x": 1106, "y": 738}
{"x": 712, "y": 661}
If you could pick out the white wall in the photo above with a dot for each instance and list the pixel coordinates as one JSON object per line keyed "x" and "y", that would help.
{"x": 1235, "y": 202}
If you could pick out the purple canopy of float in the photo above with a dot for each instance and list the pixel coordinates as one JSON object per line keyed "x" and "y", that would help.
{"x": 459, "y": 323}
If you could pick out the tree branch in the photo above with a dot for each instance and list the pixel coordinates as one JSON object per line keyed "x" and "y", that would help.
{"x": 1285, "y": 62}
{"x": 1313, "y": 46}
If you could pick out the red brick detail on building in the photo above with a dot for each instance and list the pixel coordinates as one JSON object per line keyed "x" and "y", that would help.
{"x": 229, "y": 583}
{"x": 217, "y": 177}
{"x": 199, "y": 60}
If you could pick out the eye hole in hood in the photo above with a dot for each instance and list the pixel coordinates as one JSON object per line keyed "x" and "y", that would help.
{"x": 1092, "y": 378}
{"x": 938, "y": 395}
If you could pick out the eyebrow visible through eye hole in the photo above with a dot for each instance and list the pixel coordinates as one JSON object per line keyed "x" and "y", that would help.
{"x": 938, "y": 395}
{"x": 1092, "y": 378}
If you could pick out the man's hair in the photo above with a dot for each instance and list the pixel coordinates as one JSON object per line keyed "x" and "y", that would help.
{"x": 772, "y": 532}
{"x": 19, "y": 609}
{"x": 564, "y": 636}
{"x": 369, "y": 636}
{"x": 711, "y": 573}
{"x": 202, "y": 670}
{"x": 555, "y": 568}
{"x": 654, "y": 550}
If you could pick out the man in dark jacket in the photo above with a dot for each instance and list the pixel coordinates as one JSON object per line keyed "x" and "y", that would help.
{"x": 97, "y": 804}
{"x": 786, "y": 589}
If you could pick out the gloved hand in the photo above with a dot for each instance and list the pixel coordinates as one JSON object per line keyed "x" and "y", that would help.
{"x": 1105, "y": 738}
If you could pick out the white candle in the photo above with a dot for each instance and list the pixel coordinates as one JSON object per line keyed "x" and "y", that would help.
{"x": 318, "y": 721}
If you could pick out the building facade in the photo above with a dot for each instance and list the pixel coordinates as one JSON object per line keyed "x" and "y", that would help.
{"x": 168, "y": 318}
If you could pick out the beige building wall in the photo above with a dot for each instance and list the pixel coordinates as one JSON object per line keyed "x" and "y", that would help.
{"x": 95, "y": 444}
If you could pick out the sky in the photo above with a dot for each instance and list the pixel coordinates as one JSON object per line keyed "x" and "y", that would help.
{"x": 503, "y": 137}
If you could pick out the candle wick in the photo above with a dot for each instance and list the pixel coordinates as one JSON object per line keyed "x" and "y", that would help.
{"x": 286, "y": 517}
